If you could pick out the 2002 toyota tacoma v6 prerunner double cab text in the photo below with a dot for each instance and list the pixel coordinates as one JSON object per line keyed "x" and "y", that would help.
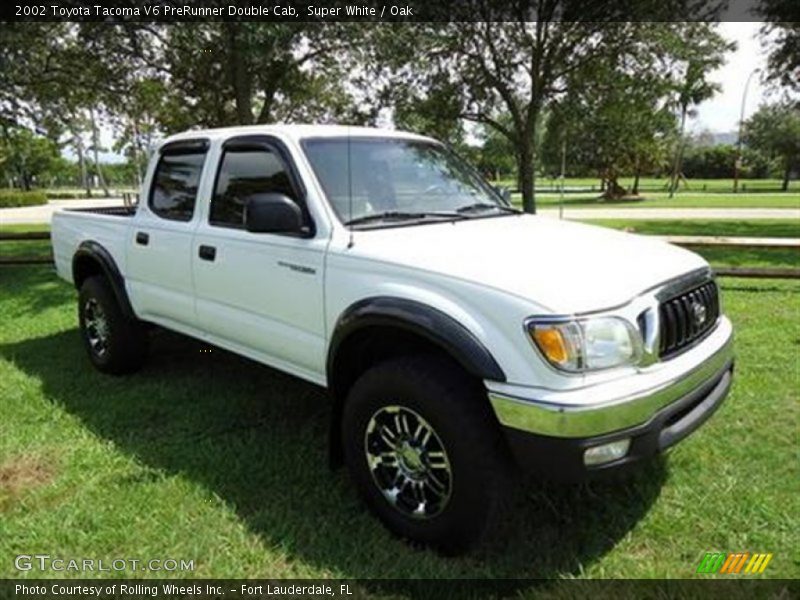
{"x": 459, "y": 338}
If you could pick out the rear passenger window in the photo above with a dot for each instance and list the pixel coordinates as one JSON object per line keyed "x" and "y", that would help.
{"x": 175, "y": 183}
{"x": 242, "y": 174}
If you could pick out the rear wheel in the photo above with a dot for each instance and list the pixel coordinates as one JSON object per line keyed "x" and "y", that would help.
{"x": 425, "y": 451}
{"x": 115, "y": 344}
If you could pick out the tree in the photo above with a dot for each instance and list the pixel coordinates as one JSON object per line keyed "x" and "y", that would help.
{"x": 152, "y": 78}
{"x": 26, "y": 157}
{"x": 775, "y": 131}
{"x": 240, "y": 73}
{"x": 704, "y": 160}
{"x": 700, "y": 52}
{"x": 497, "y": 156}
{"x": 515, "y": 66}
{"x": 615, "y": 122}
{"x": 781, "y": 35}
{"x": 482, "y": 70}
{"x": 51, "y": 80}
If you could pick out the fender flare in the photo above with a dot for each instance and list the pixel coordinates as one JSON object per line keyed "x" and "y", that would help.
{"x": 421, "y": 319}
{"x": 97, "y": 253}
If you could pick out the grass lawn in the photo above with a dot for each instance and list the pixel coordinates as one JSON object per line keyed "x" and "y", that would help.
{"x": 662, "y": 200}
{"x": 775, "y": 228}
{"x": 26, "y": 247}
{"x": 651, "y": 184}
{"x": 728, "y": 257}
{"x": 208, "y": 457}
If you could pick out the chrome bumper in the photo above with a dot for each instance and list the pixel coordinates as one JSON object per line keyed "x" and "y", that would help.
{"x": 572, "y": 420}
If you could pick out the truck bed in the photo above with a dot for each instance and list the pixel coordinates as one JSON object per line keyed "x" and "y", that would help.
{"x": 112, "y": 211}
{"x": 107, "y": 226}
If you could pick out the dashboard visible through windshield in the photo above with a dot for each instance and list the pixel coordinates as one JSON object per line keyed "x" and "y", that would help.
{"x": 388, "y": 181}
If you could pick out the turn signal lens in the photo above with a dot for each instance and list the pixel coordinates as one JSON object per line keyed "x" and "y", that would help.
{"x": 559, "y": 342}
{"x": 551, "y": 342}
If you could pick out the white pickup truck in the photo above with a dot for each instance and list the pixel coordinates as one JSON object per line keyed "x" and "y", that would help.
{"x": 458, "y": 337}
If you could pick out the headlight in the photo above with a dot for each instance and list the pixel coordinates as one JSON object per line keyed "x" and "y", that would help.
{"x": 586, "y": 344}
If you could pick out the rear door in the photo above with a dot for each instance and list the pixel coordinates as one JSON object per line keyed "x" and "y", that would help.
{"x": 159, "y": 261}
{"x": 260, "y": 293}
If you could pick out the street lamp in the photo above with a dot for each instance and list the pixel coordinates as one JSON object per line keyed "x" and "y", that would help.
{"x": 737, "y": 164}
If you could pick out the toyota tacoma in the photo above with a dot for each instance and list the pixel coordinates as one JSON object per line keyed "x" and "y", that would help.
{"x": 460, "y": 340}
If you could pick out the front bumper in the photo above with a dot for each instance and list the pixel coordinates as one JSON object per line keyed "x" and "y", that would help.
{"x": 550, "y": 437}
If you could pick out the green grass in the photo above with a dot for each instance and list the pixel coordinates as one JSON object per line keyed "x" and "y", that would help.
{"x": 212, "y": 458}
{"x": 27, "y": 248}
{"x": 775, "y": 228}
{"x": 651, "y": 184}
{"x": 727, "y": 257}
{"x": 662, "y": 200}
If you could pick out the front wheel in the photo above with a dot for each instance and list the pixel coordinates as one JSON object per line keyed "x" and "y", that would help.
{"x": 114, "y": 343}
{"x": 425, "y": 451}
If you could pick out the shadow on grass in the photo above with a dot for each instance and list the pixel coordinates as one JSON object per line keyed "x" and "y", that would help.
{"x": 257, "y": 439}
{"x": 37, "y": 288}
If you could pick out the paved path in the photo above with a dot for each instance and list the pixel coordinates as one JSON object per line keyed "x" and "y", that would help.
{"x": 42, "y": 214}
{"x": 743, "y": 214}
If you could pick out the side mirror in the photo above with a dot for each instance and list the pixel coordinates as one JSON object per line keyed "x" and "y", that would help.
{"x": 272, "y": 213}
{"x": 504, "y": 192}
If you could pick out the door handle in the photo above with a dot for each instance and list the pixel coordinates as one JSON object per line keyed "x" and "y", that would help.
{"x": 207, "y": 252}
{"x": 142, "y": 238}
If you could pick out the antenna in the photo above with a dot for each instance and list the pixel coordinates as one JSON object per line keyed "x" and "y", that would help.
{"x": 349, "y": 190}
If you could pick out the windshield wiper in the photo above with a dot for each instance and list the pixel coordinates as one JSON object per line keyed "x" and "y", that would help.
{"x": 400, "y": 215}
{"x": 485, "y": 206}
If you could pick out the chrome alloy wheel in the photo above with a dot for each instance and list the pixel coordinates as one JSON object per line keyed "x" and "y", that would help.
{"x": 408, "y": 462}
{"x": 96, "y": 326}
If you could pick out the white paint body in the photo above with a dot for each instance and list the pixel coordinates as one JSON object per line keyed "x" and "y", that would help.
{"x": 489, "y": 274}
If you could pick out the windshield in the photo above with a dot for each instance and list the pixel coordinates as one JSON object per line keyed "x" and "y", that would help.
{"x": 397, "y": 179}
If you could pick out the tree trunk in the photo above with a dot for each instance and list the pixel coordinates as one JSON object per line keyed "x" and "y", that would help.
{"x": 635, "y": 190}
{"x": 614, "y": 191}
{"x": 81, "y": 162}
{"x": 240, "y": 78}
{"x": 673, "y": 184}
{"x": 786, "y": 172}
{"x": 25, "y": 179}
{"x": 526, "y": 175}
{"x": 135, "y": 152}
{"x": 96, "y": 152}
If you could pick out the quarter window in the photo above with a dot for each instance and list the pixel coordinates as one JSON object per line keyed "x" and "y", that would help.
{"x": 242, "y": 174}
{"x": 174, "y": 191}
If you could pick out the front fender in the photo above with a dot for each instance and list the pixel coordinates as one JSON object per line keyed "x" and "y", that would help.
{"x": 420, "y": 319}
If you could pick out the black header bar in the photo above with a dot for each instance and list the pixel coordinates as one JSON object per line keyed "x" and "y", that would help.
{"x": 174, "y": 11}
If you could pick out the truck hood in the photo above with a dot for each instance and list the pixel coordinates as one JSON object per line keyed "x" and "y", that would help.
{"x": 563, "y": 266}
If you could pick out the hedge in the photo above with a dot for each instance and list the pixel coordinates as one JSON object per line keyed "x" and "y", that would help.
{"x": 12, "y": 198}
{"x": 81, "y": 194}
{"x": 66, "y": 195}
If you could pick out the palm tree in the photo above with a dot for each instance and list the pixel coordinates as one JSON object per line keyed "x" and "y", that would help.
{"x": 693, "y": 90}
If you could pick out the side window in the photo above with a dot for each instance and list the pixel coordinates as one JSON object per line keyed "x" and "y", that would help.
{"x": 175, "y": 183}
{"x": 242, "y": 174}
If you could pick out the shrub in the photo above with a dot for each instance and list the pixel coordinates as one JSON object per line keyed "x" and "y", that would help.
{"x": 66, "y": 195}
{"x": 12, "y": 198}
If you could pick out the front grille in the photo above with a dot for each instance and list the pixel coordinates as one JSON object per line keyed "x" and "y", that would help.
{"x": 686, "y": 318}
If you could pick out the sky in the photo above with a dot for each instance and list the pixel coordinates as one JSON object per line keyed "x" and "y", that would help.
{"x": 720, "y": 114}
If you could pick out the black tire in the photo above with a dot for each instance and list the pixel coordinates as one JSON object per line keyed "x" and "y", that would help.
{"x": 115, "y": 344}
{"x": 456, "y": 408}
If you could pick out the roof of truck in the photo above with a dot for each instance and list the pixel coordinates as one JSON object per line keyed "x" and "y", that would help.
{"x": 296, "y": 132}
